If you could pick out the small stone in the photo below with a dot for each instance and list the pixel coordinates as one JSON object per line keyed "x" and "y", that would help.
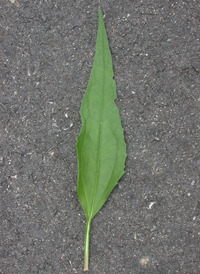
{"x": 145, "y": 260}
{"x": 1, "y": 160}
{"x": 13, "y": 177}
{"x": 151, "y": 204}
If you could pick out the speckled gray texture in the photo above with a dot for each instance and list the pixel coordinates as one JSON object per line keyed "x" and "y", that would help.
{"x": 151, "y": 221}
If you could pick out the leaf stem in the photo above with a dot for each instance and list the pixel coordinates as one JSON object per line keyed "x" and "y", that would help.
{"x": 86, "y": 250}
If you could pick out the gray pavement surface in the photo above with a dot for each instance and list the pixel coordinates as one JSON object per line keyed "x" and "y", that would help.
{"x": 151, "y": 221}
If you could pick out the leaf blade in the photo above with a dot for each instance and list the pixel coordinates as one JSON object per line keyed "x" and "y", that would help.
{"x": 100, "y": 146}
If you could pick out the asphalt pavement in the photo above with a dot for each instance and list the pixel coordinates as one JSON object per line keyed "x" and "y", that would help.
{"x": 150, "y": 223}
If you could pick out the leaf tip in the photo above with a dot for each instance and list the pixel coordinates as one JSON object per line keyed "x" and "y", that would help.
{"x": 100, "y": 13}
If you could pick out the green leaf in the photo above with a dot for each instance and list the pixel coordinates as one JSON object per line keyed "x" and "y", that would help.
{"x": 100, "y": 146}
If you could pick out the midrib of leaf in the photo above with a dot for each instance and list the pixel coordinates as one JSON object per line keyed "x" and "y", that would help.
{"x": 100, "y": 131}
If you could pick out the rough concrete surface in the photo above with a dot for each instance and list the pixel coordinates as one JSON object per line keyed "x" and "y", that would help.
{"x": 151, "y": 221}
